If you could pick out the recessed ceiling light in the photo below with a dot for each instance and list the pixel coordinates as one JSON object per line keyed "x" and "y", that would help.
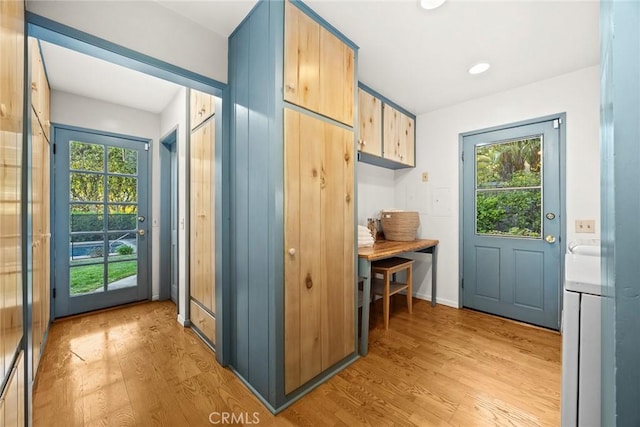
{"x": 431, "y": 4}
{"x": 479, "y": 68}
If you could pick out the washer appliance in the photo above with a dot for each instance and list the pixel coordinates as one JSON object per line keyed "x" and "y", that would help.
{"x": 581, "y": 326}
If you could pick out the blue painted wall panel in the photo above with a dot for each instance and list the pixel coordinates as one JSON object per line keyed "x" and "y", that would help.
{"x": 258, "y": 171}
{"x": 621, "y": 203}
{"x": 240, "y": 167}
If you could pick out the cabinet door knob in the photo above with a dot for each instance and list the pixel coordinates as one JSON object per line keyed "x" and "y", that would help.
{"x": 292, "y": 251}
{"x": 290, "y": 87}
{"x": 364, "y": 142}
{"x": 3, "y": 110}
{"x": 34, "y": 86}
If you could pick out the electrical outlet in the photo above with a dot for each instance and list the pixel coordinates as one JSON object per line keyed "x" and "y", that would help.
{"x": 425, "y": 176}
{"x": 585, "y": 226}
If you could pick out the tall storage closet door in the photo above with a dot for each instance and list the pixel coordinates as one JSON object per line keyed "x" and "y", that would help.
{"x": 202, "y": 224}
{"x": 11, "y": 120}
{"x": 319, "y": 242}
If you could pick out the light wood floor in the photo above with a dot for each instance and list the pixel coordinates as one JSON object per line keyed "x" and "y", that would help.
{"x": 439, "y": 367}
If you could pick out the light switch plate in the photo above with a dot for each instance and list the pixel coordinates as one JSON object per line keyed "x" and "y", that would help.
{"x": 425, "y": 176}
{"x": 585, "y": 226}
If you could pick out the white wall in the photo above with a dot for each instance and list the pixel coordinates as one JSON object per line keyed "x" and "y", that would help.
{"x": 74, "y": 110}
{"x": 175, "y": 114}
{"x": 577, "y": 94}
{"x": 376, "y": 191}
{"x": 145, "y": 27}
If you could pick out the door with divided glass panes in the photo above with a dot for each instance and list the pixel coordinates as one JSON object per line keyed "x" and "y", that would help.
{"x": 101, "y": 226}
{"x": 512, "y": 224}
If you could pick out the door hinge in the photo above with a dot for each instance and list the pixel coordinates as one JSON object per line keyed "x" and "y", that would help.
{"x": 462, "y": 283}
{"x": 463, "y": 156}
{"x": 146, "y": 147}
{"x": 557, "y": 123}
{"x": 54, "y": 293}
{"x": 54, "y": 148}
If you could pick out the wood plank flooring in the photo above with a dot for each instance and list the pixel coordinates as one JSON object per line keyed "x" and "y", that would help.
{"x": 438, "y": 367}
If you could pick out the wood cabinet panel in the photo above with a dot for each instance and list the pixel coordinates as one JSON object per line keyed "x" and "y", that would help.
{"x": 40, "y": 211}
{"x": 336, "y": 78}
{"x": 203, "y": 321}
{"x": 369, "y": 123}
{"x": 202, "y": 215}
{"x": 399, "y": 136}
{"x": 202, "y": 107}
{"x": 13, "y": 397}
{"x": 318, "y": 68}
{"x": 301, "y": 59}
{"x": 319, "y": 263}
{"x": 11, "y": 120}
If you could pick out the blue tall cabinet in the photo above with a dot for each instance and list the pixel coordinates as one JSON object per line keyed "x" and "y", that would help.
{"x": 292, "y": 92}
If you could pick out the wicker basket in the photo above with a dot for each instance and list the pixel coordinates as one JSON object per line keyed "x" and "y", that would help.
{"x": 401, "y": 226}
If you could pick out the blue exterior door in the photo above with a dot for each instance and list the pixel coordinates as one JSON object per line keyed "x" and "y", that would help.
{"x": 101, "y": 225}
{"x": 512, "y": 224}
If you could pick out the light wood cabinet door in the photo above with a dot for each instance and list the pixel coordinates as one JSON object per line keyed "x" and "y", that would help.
{"x": 319, "y": 247}
{"x": 318, "y": 68}
{"x": 202, "y": 106}
{"x": 301, "y": 59}
{"x": 202, "y": 215}
{"x": 369, "y": 123}
{"x": 11, "y": 120}
{"x": 399, "y": 136}
{"x": 12, "y": 400}
{"x": 40, "y": 212}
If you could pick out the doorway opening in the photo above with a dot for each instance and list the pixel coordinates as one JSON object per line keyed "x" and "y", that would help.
{"x": 169, "y": 217}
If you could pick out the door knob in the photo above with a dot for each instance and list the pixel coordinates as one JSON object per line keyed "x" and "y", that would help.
{"x": 141, "y": 218}
{"x": 292, "y": 251}
{"x": 141, "y": 232}
{"x": 550, "y": 238}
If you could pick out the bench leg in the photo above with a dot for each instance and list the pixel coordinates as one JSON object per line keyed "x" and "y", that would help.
{"x": 385, "y": 301}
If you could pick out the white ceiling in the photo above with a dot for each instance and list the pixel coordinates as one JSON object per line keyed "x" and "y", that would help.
{"x": 420, "y": 58}
{"x": 80, "y": 74}
{"x": 415, "y": 57}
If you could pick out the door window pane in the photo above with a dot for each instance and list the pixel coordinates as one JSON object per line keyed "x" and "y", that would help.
{"x": 509, "y": 213}
{"x": 123, "y": 246}
{"x": 86, "y": 217}
{"x": 86, "y": 279}
{"x": 86, "y": 157}
{"x": 122, "y": 189}
{"x": 509, "y": 188}
{"x": 123, "y": 217}
{"x": 122, "y": 274}
{"x": 122, "y": 160}
{"x": 509, "y": 164}
{"x": 86, "y": 187}
{"x": 86, "y": 248}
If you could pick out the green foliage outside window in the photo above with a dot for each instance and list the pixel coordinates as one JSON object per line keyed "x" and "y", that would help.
{"x": 508, "y": 181}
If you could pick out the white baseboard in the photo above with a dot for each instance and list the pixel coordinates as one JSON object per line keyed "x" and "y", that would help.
{"x": 155, "y": 298}
{"x": 182, "y": 321}
{"x": 427, "y": 297}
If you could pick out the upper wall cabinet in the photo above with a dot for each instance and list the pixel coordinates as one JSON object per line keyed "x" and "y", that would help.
{"x": 370, "y": 123}
{"x": 387, "y": 131}
{"x": 318, "y": 67}
{"x": 398, "y": 136}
